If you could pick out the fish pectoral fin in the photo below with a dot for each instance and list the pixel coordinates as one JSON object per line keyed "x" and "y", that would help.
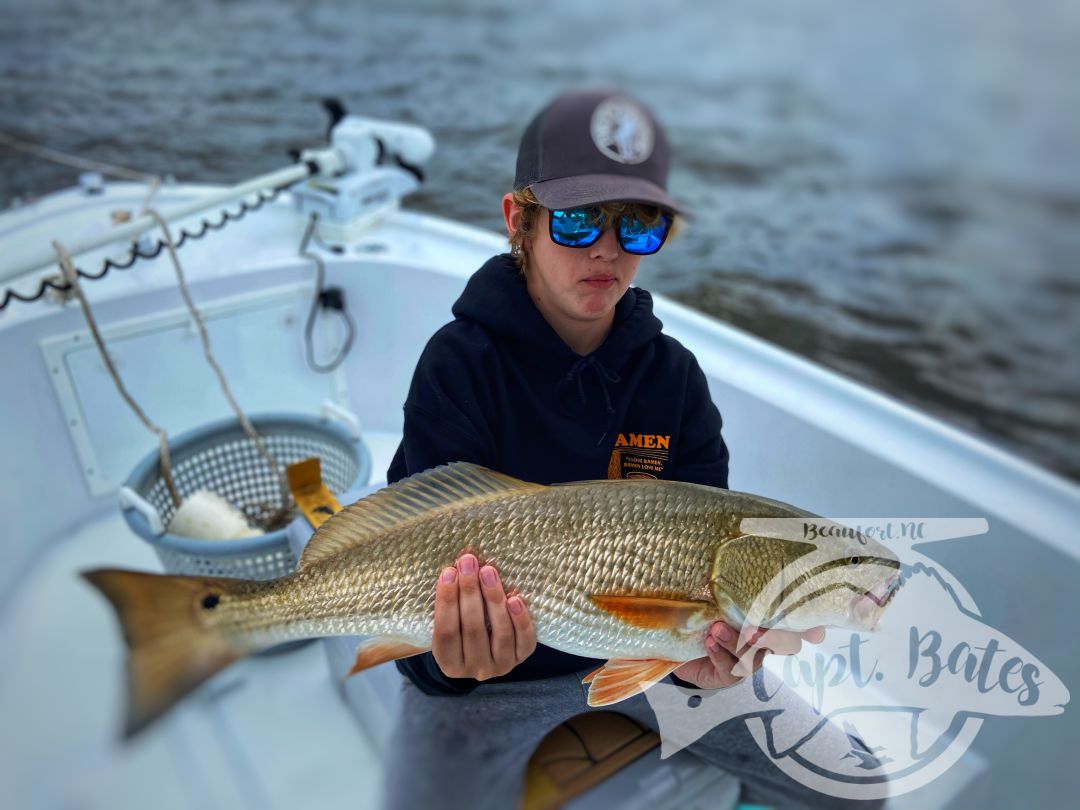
{"x": 621, "y": 679}
{"x": 377, "y": 651}
{"x": 651, "y": 613}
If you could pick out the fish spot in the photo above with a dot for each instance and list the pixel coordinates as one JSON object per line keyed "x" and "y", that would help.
{"x": 211, "y": 601}
{"x": 694, "y": 701}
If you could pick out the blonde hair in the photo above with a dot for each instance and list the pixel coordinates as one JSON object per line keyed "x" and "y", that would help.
{"x": 531, "y": 208}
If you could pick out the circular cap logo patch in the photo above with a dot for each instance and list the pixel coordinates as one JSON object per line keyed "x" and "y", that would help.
{"x": 622, "y": 130}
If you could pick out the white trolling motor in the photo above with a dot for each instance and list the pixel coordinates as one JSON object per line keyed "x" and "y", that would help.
{"x": 382, "y": 166}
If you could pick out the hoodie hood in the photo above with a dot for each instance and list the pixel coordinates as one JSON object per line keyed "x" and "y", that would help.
{"x": 497, "y": 299}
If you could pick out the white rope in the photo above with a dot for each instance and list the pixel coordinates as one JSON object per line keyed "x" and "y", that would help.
{"x": 249, "y": 429}
{"x": 72, "y": 278}
{"x": 63, "y": 158}
{"x": 155, "y": 184}
{"x": 163, "y": 438}
{"x": 46, "y": 153}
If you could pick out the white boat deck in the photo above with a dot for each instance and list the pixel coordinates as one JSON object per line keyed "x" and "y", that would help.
{"x": 62, "y": 693}
{"x": 231, "y": 745}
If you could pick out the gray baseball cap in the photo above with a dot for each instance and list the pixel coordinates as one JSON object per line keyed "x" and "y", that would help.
{"x": 595, "y": 146}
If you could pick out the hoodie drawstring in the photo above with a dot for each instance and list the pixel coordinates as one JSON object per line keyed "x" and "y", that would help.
{"x": 604, "y": 375}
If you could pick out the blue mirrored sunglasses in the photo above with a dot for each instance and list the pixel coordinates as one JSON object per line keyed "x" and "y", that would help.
{"x": 581, "y": 227}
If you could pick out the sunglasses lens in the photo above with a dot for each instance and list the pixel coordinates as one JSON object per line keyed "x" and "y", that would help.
{"x": 641, "y": 239}
{"x": 576, "y": 227}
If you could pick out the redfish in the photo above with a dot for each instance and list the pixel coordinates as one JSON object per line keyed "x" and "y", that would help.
{"x": 630, "y": 571}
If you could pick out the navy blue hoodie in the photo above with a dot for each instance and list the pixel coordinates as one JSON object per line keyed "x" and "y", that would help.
{"x": 497, "y": 386}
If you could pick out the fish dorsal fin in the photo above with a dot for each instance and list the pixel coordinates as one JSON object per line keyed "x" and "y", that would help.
{"x": 453, "y": 485}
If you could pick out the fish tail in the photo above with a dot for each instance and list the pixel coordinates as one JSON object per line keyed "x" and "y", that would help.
{"x": 170, "y": 650}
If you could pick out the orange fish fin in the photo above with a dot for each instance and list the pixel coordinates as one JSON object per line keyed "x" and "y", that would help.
{"x": 377, "y": 651}
{"x": 621, "y": 679}
{"x": 589, "y": 678}
{"x": 172, "y": 650}
{"x": 650, "y": 612}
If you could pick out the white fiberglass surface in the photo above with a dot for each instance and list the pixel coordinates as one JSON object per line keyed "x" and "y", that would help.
{"x": 268, "y": 732}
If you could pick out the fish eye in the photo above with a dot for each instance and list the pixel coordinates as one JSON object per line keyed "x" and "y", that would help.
{"x": 854, "y": 560}
{"x": 210, "y": 602}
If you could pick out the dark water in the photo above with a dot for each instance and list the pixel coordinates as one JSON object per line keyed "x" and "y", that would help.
{"x": 890, "y": 189}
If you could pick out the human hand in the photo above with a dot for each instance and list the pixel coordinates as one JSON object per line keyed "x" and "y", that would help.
{"x": 462, "y": 643}
{"x": 723, "y": 666}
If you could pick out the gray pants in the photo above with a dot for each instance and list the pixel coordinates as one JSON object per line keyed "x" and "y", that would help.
{"x": 471, "y": 751}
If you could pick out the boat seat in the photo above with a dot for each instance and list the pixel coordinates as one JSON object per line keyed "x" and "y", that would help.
{"x": 581, "y": 753}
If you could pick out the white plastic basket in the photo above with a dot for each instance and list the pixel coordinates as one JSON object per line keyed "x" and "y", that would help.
{"x": 220, "y": 457}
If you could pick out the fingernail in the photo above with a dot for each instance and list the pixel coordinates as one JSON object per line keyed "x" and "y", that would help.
{"x": 487, "y": 576}
{"x": 816, "y": 636}
{"x": 516, "y": 606}
{"x": 726, "y": 633}
{"x": 467, "y": 564}
{"x": 711, "y": 645}
{"x": 449, "y": 575}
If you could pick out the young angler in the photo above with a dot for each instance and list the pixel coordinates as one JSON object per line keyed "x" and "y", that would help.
{"x": 554, "y": 369}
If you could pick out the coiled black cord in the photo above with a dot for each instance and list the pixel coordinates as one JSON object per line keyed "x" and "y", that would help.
{"x": 136, "y": 253}
{"x": 331, "y": 298}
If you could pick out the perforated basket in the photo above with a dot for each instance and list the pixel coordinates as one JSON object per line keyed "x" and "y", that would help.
{"x": 222, "y": 458}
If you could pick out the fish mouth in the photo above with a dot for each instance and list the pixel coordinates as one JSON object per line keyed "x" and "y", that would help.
{"x": 866, "y": 608}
